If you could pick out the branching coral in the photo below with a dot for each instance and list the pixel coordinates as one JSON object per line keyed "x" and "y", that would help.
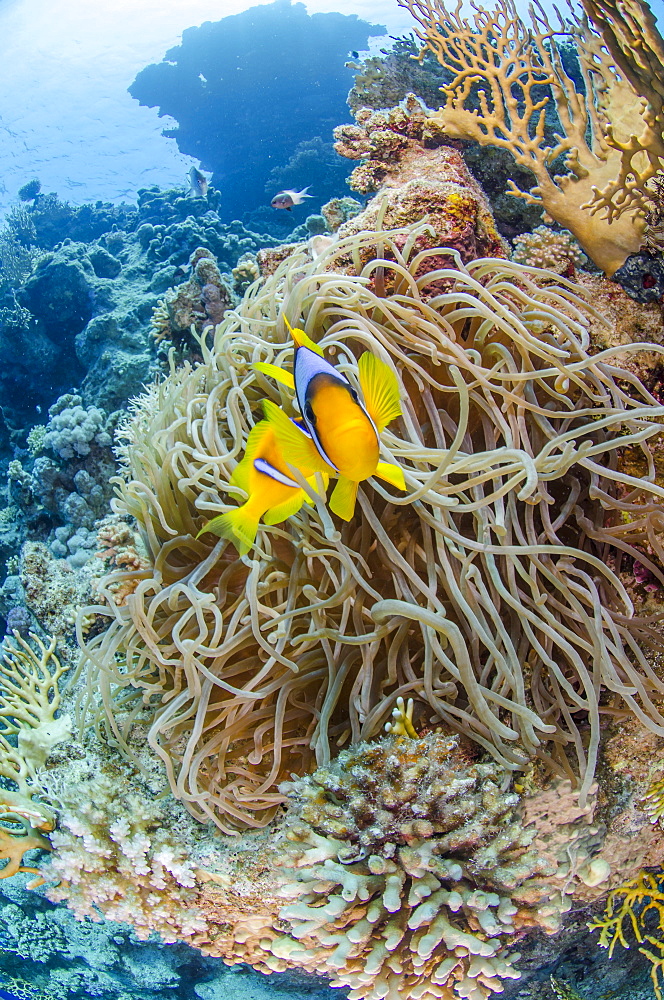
{"x": 627, "y": 910}
{"x": 29, "y": 700}
{"x": 404, "y": 856}
{"x": 488, "y": 592}
{"x": 515, "y": 70}
{"x": 114, "y": 855}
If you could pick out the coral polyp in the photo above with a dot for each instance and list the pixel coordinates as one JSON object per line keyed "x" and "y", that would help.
{"x": 487, "y": 592}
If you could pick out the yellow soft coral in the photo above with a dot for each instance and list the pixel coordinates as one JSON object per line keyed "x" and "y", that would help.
{"x": 627, "y": 908}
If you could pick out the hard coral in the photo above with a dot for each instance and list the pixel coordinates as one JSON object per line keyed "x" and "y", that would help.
{"x": 544, "y": 247}
{"x": 114, "y": 856}
{"x": 405, "y": 856}
{"x": 200, "y": 301}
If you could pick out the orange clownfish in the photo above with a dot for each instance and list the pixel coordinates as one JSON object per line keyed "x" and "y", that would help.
{"x": 273, "y": 494}
{"x": 341, "y": 431}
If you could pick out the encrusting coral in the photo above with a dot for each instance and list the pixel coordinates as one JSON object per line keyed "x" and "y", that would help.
{"x": 515, "y": 71}
{"x": 415, "y": 173}
{"x": 486, "y": 592}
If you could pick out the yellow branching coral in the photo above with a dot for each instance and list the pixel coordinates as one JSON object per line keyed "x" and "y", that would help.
{"x": 486, "y": 593}
{"x": 29, "y": 700}
{"x": 636, "y": 907}
{"x": 515, "y": 70}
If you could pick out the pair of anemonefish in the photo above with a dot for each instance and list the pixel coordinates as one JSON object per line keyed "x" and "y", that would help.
{"x": 337, "y": 434}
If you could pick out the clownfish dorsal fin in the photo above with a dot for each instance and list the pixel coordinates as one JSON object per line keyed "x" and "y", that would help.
{"x": 302, "y": 339}
{"x": 392, "y": 474}
{"x": 380, "y": 389}
{"x": 344, "y": 496}
{"x": 257, "y": 435}
{"x": 296, "y": 446}
{"x": 275, "y": 372}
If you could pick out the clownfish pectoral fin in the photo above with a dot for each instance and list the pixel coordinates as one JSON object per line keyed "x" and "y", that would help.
{"x": 239, "y": 527}
{"x": 380, "y": 390}
{"x": 279, "y": 374}
{"x": 302, "y": 339}
{"x": 344, "y": 495}
{"x": 296, "y": 447}
{"x": 392, "y": 474}
{"x": 284, "y": 510}
{"x": 314, "y": 485}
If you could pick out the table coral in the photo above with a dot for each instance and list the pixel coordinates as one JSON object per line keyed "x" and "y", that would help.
{"x": 486, "y": 593}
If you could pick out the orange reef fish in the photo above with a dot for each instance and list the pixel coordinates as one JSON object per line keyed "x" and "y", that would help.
{"x": 286, "y": 199}
{"x": 343, "y": 431}
{"x": 272, "y": 492}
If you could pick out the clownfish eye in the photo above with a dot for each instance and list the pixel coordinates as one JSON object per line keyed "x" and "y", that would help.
{"x": 309, "y": 413}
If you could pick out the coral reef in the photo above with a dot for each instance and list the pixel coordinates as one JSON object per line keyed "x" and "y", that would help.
{"x": 603, "y": 197}
{"x": 225, "y": 98}
{"x": 199, "y": 302}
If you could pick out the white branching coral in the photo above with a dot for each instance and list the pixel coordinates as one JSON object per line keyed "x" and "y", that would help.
{"x": 114, "y": 855}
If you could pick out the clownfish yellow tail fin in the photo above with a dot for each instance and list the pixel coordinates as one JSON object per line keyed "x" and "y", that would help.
{"x": 296, "y": 447}
{"x": 238, "y": 525}
{"x": 275, "y": 372}
{"x": 392, "y": 474}
{"x": 302, "y": 339}
{"x": 344, "y": 497}
{"x": 380, "y": 390}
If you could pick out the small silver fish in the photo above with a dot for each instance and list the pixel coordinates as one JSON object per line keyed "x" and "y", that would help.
{"x": 286, "y": 199}
{"x": 198, "y": 183}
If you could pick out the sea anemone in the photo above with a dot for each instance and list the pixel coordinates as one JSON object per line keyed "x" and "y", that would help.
{"x": 489, "y": 592}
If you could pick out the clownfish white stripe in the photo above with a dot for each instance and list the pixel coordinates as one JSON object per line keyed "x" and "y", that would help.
{"x": 260, "y": 465}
